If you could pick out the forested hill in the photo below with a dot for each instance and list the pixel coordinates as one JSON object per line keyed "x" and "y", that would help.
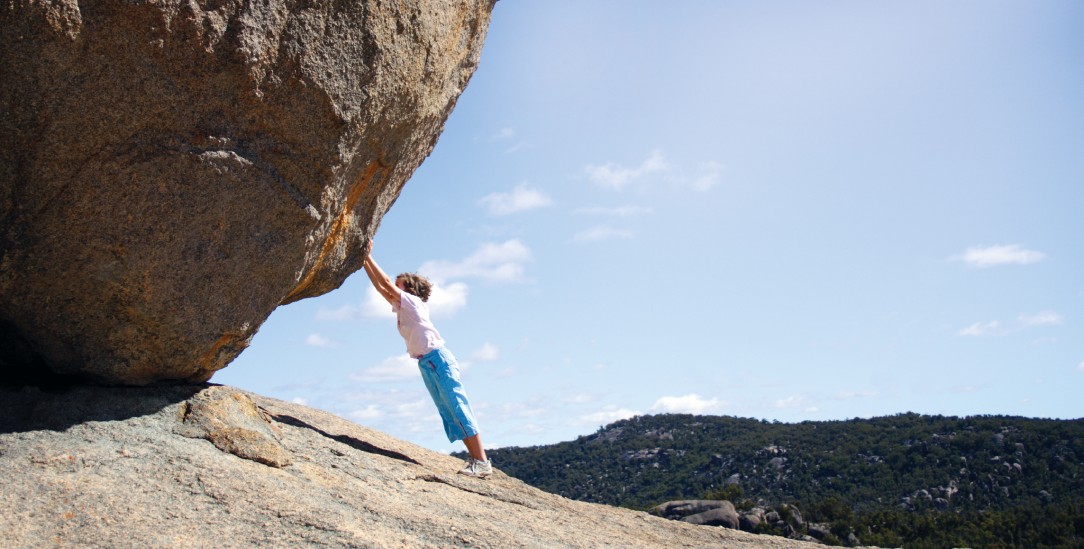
{"x": 908, "y": 462}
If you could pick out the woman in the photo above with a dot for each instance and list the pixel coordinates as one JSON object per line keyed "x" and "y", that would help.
{"x": 408, "y": 296}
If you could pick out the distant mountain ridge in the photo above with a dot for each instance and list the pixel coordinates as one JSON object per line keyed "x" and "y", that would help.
{"x": 925, "y": 466}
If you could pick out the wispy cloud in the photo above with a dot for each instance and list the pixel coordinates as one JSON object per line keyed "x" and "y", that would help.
{"x": 446, "y": 299}
{"x": 627, "y": 210}
{"x": 797, "y": 401}
{"x": 1009, "y": 254}
{"x": 980, "y": 329}
{"x": 400, "y": 412}
{"x": 317, "y": 340}
{"x": 1023, "y": 322}
{"x": 502, "y": 262}
{"x": 707, "y": 176}
{"x": 524, "y": 410}
{"x": 687, "y": 404}
{"x": 396, "y": 368}
{"x": 608, "y": 414}
{"x": 488, "y": 352}
{"x": 582, "y": 398}
{"x": 601, "y": 233}
{"x": 506, "y": 373}
{"x": 1044, "y": 318}
{"x": 346, "y": 313}
{"x": 368, "y": 413}
{"x": 1080, "y": 367}
{"x": 520, "y": 199}
{"x": 375, "y": 306}
{"x": 616, "y": 177}
{"x": 509, "y": 134}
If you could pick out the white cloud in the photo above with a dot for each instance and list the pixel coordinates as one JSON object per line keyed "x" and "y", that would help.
{"x": 504, "y": 133}
{"x": 396, "y": 368}
{"x": 1023, "y": 322}
{"x": 687, "y": 404}
{"x": 980, "y": 329}
{"x": 522, "y": 198}
{"x": 794, "y": 401}
{"x": 317, "y": 340}
{"x": 1044, "y": 318}
{"x": 488, "y": 352}
{"x": 446, "y": 299}
{"x": 616, "y": 177}
{"x": 375, "y": 305}
{"x": 600, "y": 233}
{"x": 300, "y": 400}
{"x": 707, "y": 176}
{"x": 991, "y": 256}
{"x": 579, "y": 398}
{"x": 627, "y": 210}
{"x": 368, "y": 413}
{"x": 608, "y": 414}
{"x": 389, "y": 401}
{"x": 1080, "y": 367}
{"x": 494, "y": 262}
{"x": 521, "y": 410}
{"x": 346, "y": 313}
{"x": 518, "y": 147}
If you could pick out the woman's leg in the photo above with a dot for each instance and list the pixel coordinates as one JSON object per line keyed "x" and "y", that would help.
{"x": 474, "y": 447}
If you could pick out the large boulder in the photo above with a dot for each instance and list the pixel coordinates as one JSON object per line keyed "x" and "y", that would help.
{"x": 724, "y": 515}
{"x": 171, "y": 171}
{"x": 681, "y": 508}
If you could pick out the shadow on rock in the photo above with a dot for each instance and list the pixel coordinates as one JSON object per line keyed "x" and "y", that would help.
{"x": 33, "y": 409}
{"x": 352, "y": 442}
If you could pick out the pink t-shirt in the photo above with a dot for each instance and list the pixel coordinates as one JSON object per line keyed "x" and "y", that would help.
{"x": 415, "y": 327}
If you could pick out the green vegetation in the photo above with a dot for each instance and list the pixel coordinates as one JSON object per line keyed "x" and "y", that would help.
{"x": 913, "y": 480}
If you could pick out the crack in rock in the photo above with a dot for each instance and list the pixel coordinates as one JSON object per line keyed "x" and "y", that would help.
{"x": 441, "y": 479}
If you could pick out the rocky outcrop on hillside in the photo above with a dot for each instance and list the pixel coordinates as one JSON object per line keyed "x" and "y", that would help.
{"x": 785, "y": 519}
{"x": 213, "y": 466}
{"x": 170, "y": 172}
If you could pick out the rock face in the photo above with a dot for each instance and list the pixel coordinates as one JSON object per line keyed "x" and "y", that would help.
{"x": 726, "y": 517}
{"x": 128, "y": 467}
{"x": 677, "y": 510}
{"x": 706, "y": 512}
{"x": 172, "y": 171}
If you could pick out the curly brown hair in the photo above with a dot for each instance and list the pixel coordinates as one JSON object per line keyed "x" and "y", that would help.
{"x": 416, "y": 285}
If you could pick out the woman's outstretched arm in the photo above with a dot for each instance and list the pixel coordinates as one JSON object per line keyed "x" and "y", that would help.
{"x": 381, "y": 281}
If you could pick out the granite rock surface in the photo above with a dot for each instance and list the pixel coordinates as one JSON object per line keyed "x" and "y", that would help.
{"x": 118, "y": 467}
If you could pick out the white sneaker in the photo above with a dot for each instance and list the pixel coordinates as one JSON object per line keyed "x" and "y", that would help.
{"x": 477, "y": 468}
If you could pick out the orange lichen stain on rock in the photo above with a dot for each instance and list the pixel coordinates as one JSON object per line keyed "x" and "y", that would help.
{"x": 206, "y": 362}
{"x": 338, "y": 226}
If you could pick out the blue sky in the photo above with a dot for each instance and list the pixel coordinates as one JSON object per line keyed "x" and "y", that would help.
{"x": 781, "y": 210}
